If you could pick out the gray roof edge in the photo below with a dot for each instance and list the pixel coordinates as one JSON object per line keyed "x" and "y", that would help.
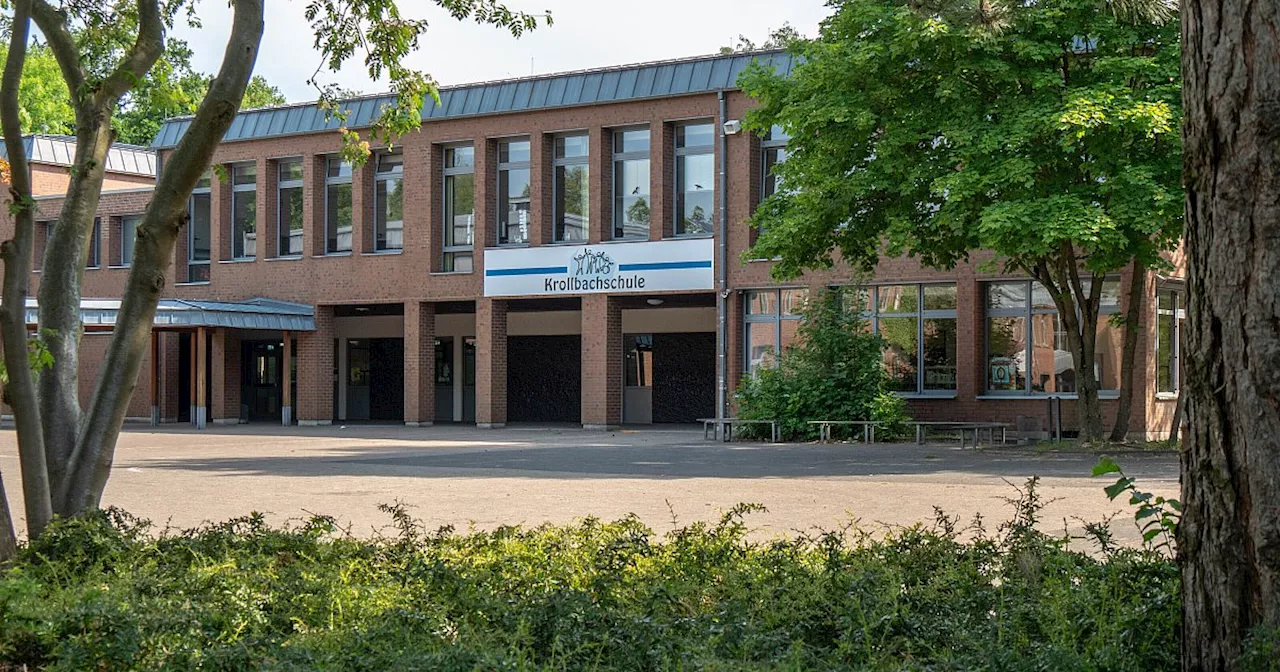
{"x": 36, "y": 144}
{"x": 162, "y": 142}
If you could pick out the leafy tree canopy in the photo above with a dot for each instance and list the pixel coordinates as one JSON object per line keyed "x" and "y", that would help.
{"x": 1046, "y": 131}
{"x": 46, "y": 107}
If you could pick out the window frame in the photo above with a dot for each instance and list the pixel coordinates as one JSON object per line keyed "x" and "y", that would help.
{"x": 558, "y": 163}
{"x": 204, "y": 187}
{"x": 281, "y": 185}
{"x": 771, "y": 143}
{"x": 338, "y": 181}
{"x": 505, "y": 167}
{"x": 124, "y": 239}
{"x": 447, "y": 172}
{"x": 397, "y": 173}
{"x": 95, "y": 246}
{"x": 920, "y": 315}
{"x": 617, "y": 159}
{"x": 236, "y": 191}
{"x": 681, "y": 153}
{"x": 1178, "y": 313}
{"x": 1026, "y": 313}
{"x": 777, "y": 318}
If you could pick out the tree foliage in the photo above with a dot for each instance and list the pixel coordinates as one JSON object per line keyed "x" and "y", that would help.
{"x": 105, "y": 53}
{"x": 46, "y": 106}
{"x": 1046, "y": 132}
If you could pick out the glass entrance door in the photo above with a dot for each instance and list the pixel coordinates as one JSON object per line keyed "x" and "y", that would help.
{"x": 262, "y": 380}
{"x": 444, "y": 379}
{"x": 637, "y": 393}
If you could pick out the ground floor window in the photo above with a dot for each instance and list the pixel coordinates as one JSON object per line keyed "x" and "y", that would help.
{"x": 1027, "y": 344}
{"x": 918, "y": 324}
{"x": 1170, "y": 311}
{"x": 772, "y": 321}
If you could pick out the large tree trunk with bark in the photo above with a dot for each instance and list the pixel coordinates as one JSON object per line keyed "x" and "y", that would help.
{"x": 1229, "y": 537}
{"x": 1129, "y": 354}
{"x": 16, "y": 255}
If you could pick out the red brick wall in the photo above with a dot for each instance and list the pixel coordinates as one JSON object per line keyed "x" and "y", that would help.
{"x": 601, "y": 361}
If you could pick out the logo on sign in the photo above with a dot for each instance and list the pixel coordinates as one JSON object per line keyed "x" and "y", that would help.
{"x": 592, "y": 264}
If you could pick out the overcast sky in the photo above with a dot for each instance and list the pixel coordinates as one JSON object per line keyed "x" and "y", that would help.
{"x": 586, "y": 34}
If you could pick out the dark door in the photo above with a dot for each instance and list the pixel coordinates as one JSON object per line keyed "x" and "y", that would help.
{"x": 444, "y": 379}
{"x": 684, "y": 377}
{"x": 262, "y": 380}
{"x": 544, "y": 379}
{"x": 386, "y": 369}
{"x": 185, "y": 401}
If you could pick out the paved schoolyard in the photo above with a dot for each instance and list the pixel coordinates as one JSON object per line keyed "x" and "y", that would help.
{"x": 463, "y": 476}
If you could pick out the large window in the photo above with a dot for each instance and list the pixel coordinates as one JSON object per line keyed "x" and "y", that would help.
{"x": 388, "y": 202}
{"x": 200, "y": 209}
{"x": 774, "y": 151}
{"x": 572, "y": 189}
{"x": 514, "y": 196}
{"x": 1027, "y": 346}
{"x": 695, "y": 178}
{"x": 459, "y": 208}
{"x": 244, "y": 211}
{"x": 1170, "y": 312}
{"x": 289, "y": 201}
{"x": 772, "y": 322}
{"x": 918, "y": 324}
{"x": 128, "y": 236}
{"x": 337, "y": 206}
{"x": 631, "y": 183}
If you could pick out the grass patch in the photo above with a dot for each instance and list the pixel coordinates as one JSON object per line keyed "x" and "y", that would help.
{"x": 1104, "y": 447}
{"x": 107, "y": 592}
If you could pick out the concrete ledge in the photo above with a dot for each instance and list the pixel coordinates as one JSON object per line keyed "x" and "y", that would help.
{"x": 598, "y": 428}
{"x": 490, "y": 425}
{"x": 314, "y": 423}
{"x": 225, "y": 421}
{"x": 425, "y": 423}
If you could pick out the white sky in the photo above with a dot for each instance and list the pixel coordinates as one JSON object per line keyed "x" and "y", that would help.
{"x": 586, "y": 34}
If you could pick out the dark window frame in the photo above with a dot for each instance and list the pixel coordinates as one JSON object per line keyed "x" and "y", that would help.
{"x": 503, "y": 233}
{"x": 682, "y": 153}
{"x": 559, "y": 163}
{"x": 380, "y": 243}
{"x": 619, "y": 159}
{"x": 451, "y": 253}
{"x": 281, "y": 185}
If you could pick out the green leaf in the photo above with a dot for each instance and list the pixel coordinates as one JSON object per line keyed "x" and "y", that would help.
{"x": 1118, "y": 487}
{"x": 1106, "y": 465}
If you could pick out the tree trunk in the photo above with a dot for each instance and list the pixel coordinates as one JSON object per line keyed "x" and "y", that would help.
{"x": 1229, "y": 537}
{"x": 1177, "y": 418}
{"x": 16, "y": 254}
{"x": 90, "y": 463}
{"x": 1132, "y": 317}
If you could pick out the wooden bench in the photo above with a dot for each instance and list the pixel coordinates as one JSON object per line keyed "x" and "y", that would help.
{"x": 726, "y": 425}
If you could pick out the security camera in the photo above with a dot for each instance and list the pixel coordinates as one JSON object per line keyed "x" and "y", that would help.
{"x": 732, "y": 127}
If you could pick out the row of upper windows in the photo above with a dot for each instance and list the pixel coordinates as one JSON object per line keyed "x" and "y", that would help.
{"x": 693, "y": 191}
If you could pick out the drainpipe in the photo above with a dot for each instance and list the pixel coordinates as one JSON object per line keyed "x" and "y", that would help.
{"x": 722, "y": 278}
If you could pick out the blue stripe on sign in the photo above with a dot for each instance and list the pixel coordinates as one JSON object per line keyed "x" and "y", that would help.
{"x": 541, "y": 270}
{"x": 664, "y": 265}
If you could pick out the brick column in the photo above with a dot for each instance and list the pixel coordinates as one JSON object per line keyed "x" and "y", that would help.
{"x": 169, "y": 347}
{"x": 662, "y": 154}
{"x": 362, "y": 236}
{"x": 737, "y": 348}
{"x": 601, "y": 362}
{"x": 601, "y": 180}
{"x": 971, "y": 369}
{"x": 491, "y": 363}
{"x": 268, "y": 209}
{"x": 225, "y": 376}
{"x": 541, "y": 188}
{"x": 313, "y": 231}
{"x": 419, "y": 363}
{"x": 315, "y": 370}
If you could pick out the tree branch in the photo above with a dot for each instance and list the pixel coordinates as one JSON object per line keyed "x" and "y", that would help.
{"x": 146, "y": 49}
{"x": 90, "y": 463}
{"x": 16, "y": 254}
{"x": 53, "y": 23}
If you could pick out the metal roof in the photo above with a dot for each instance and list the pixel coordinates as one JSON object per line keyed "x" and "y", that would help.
{"x": 257, "y": 313}
{"x": 60, "y": 150}
{"x": 662, "y": 79}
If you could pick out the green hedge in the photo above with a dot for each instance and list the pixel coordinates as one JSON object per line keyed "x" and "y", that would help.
{"x": 106, "y": 593}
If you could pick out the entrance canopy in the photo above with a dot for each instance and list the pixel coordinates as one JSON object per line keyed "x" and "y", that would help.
{"x": 259, "y": 313}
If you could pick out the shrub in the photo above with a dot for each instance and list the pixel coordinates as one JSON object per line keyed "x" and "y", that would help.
{"x": 592, "y": 595}
{"x": 833, "y": 371}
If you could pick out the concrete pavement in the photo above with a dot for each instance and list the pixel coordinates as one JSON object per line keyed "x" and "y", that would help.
{"x": 464, "y": 476}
